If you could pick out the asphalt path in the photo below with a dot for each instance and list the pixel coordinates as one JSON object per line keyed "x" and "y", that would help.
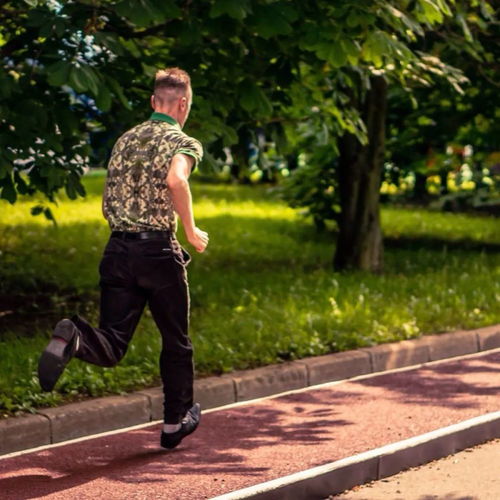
{"x": 249, "y": 443}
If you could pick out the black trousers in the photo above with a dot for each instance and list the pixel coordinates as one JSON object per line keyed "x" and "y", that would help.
{"x": 134, "y": 273}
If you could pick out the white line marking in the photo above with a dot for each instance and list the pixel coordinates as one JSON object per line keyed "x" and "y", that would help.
{"x": 250, "y": 401}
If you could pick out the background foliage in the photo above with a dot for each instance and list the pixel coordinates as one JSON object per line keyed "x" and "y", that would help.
{"x": 77, "y": 73}
{"x": 256, "y": 298}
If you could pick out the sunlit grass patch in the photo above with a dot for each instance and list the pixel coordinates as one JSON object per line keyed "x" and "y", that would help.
{"x": 263, "y": 291}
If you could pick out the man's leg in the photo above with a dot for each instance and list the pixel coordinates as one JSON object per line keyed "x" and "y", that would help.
{"x": 122, "y": 303}
{"x": 170, "y": 307}
{"x": 121, "y": 306}
{"x": 166, "y": 280}
{"x": 120, "y": 311}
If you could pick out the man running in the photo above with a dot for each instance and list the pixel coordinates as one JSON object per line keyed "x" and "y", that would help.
{"x": 143, "y": 263}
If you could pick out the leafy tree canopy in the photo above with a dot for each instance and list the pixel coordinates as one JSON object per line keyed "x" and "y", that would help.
{"x": 80, "y": 66}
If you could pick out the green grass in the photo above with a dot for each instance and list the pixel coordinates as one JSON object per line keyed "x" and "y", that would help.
{"x": 262, "y": 292}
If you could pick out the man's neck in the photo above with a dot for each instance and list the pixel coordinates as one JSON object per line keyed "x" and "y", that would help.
{"x": 173, "y": 113}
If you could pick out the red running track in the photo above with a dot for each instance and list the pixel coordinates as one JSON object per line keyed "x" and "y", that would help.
{"x": 255, "y": 442}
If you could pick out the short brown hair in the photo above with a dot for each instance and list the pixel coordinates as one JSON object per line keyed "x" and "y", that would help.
{"x": 172, "y": 79}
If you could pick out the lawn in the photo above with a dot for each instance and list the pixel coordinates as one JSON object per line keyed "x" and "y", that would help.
{"x": 262, "y": 292}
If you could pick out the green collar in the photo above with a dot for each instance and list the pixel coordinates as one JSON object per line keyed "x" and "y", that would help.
{"x": 163, "y": 118}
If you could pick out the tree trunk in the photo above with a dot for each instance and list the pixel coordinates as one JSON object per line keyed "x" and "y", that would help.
{"x": 359, "y": 242}
{"x": 420, "y": 188}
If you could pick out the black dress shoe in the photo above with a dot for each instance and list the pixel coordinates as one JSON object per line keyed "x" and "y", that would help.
{"x": 59, "y": 351}
{"x": 188, "y": 425}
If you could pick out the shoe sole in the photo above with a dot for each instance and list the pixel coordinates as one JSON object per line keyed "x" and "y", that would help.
{"x": 53, "y": 360}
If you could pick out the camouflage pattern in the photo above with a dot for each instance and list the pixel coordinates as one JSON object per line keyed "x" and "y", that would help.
{"x": 136, "y": 195}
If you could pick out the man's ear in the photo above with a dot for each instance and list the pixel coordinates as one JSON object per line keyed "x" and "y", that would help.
{"x": 152, "y": 100}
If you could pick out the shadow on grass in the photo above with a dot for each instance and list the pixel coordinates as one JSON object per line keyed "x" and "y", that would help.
{"x": 48, "y": 271}
{"x": 439, "y": 244}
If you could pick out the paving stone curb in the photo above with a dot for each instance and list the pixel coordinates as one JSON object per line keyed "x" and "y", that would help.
{"x": 74, "y": 420}
{"x": 344, "y": 474}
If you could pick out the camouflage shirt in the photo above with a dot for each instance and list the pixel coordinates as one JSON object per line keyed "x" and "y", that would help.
{"x": 136, "y": 195}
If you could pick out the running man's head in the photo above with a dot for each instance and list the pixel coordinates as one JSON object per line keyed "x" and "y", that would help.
{"x": 172, "y": 94}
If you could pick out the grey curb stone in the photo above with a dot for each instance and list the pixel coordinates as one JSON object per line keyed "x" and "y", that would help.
{"x": 269, "y": 380}
{"x": 27, "y": 431}
{"x": 404, "y": 353}
{"x": 104, "y": 414}
{"x": 348, "y": 476}
{"x": 488, "y": 337}
{"x": 448, "y": 345}
{"x": 96, "y": 415}
{"x": 440, "y": 447}
{"x": 338, "y": 366}
{"x": 212, "y": 392}
{"x": 155, "y": 397}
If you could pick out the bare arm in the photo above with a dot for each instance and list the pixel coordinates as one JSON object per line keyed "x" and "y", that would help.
{"x": 177, "y": 181}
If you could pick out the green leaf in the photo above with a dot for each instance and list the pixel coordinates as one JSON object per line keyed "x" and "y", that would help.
{"x": 424, "y": 121}
{"x": 430, "y": 12}
{"x": 354, "y": 19}
{"x": 66, "y": 120}
{"x": 375, "y": 47}
{"x": 103, "y": 99}
{"x": 70, "y": 190}
{"x": 22, "y": 187}
{"x": 37, "y": 18}
{"x": 229, "y": 135}
{"x": 111, "y": 42}
{"x": 74, "y": 185}
{"x": 274, "y": 19}
{"x": 80, "y": 188}
{"x": 92, "y": 79}
{"x": 8, "y": 190}
{"x": 132, "y": 47}
{"x": 352, "y": 50}
{"x": 253, "y": 99}
{"x": 58, "y": 73}
{"x": 235, "y": 9}
{"x": 445, "y": 7}
{"x": 5, "y": 166}
{"x": 83, "y": 78}
{"x": 125, "y": 9}
{"x": 59, "y": 27}
{"x": 118, "y": 91}
{"x": 412, "y": 25}
{"x": 53, "y": 177}
{"x": 169, "y": 9}
{"x": 46, "y": 30}
{"x": 36, "y": 210}
{"x": 333, "y": 53}
{"x": 142, "y": 13}
{"x": 465, "y": 27}
{"x": 49, "y": 215}
{"x": 487, "y": 11}
{"x": 77, "y": 79}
